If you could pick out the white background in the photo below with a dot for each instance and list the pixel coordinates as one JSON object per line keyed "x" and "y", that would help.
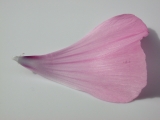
{"x": 43, "y": 26}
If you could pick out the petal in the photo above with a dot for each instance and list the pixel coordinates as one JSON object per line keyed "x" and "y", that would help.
{"x": 108, "y": 63}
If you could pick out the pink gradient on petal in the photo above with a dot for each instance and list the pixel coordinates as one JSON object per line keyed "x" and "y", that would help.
{"x": 107, "y": 63}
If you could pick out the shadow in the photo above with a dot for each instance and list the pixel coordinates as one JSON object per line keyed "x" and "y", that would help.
{"x": 151, "y": 47}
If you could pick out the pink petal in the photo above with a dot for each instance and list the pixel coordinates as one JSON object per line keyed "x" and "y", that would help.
{"x": 108, "y": 63}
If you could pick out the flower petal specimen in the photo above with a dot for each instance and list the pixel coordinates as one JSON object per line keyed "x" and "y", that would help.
{"x": 107, "y": 63}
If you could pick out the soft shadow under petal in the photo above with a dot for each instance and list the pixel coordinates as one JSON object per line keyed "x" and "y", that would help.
{"x": 151, "y": 47}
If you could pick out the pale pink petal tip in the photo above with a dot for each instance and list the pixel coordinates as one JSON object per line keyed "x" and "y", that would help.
{"x": 107, "y": 63}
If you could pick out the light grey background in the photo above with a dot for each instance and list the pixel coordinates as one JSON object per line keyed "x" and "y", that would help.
{"x": 43, "y": 26}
